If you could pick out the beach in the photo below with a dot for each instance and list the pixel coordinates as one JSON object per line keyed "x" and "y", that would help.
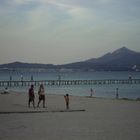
{"x": 87, "y": 119}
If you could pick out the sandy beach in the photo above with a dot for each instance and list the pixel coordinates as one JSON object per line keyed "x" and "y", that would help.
{"x": 88, "y": 118}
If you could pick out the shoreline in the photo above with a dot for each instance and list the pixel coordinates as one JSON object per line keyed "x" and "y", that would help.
{"x": 16, "y": 102}
{"x": 88, "y": 96}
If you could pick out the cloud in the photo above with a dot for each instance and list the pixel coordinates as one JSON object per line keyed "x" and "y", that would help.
{"x": 18, "y": 2}
{"x": 71, "y": 9}
{"x": 68, "y": 25}
{"x": 49, "y": 15}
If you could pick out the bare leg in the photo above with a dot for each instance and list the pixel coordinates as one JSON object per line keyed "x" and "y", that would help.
{"x": 29, "y": 103}
{"x": 44, "y": 103}
{"x": 33, "y": 103}
{"x": 67, "y": 106}
{"x": 38, "y": 103}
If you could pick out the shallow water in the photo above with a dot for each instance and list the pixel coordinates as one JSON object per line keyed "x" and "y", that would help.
{"x": 131, "y": 91}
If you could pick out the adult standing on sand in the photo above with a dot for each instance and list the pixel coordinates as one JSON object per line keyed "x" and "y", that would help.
{"x": 31, "y": 96}
{"x": 41, "y": 93}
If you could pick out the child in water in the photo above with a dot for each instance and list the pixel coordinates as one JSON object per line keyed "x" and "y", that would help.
{"x": 67, "y": 100}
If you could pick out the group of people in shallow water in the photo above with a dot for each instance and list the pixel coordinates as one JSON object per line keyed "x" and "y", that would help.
{"x": 41, "y": 97}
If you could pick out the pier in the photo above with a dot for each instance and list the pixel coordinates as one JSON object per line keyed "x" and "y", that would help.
{"x": 68, "y": 82}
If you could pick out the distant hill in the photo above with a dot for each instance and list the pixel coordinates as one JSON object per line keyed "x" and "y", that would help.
{"x": 122, "y": 56}
{"x": 26, "y": 65}
{"x": 122, "y": 59}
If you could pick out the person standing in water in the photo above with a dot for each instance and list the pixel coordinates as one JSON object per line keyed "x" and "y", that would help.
{"x": 117, "y": 93}
{"x": 91, "y": 92}
{"x": 67, "y": 101}
{"x": 41, "y": 93}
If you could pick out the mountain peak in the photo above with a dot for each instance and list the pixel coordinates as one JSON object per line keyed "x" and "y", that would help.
{"x": 123, "y": 50}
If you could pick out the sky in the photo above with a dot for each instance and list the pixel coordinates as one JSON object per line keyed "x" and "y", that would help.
{"x": 65, "y": 31}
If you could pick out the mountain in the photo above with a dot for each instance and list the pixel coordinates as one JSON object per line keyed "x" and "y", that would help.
{"x": 122, "y": 56}
{"x": 122, "y": 59}
{"x": 25, "y": 65}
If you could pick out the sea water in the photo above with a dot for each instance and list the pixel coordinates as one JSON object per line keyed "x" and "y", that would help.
{"x": 131, "y": 91}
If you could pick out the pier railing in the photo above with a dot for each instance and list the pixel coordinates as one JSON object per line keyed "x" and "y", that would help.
{"x": 68, "y": 82}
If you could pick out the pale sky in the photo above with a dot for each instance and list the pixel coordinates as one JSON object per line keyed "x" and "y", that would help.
{"x": 65, "y": 31}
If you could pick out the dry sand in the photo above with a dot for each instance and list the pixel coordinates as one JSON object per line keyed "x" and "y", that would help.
{"x": 104, "y": 119}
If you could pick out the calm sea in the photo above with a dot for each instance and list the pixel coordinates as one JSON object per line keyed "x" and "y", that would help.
{"x": 107, "y": 91}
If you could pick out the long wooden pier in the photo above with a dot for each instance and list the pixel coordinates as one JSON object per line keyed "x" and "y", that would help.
{"x": 68, "y": 82}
